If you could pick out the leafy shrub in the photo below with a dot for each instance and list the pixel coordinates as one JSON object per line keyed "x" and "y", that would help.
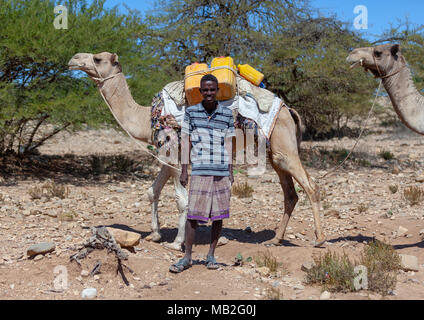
{"x": 386, "y": 155}
{"x": 382, "y": 263}
{"x": 335, "y": 273}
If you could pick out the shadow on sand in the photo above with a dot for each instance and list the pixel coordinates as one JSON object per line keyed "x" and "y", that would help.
{"x": 203, "y": 235}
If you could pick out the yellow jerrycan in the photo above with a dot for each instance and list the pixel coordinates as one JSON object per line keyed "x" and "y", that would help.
{"x": 251, "y": 74}
{"x": 193, "y": 75}
{"x": 226, "y": 77}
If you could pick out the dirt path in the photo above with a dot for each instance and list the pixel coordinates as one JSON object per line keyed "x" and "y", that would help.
{"x": 357, "y": 206}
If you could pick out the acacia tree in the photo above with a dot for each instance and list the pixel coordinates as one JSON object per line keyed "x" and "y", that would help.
{"x": 39, "y": 96}
{"x": 301, "y": 53}
{"x": 411, "y": 39}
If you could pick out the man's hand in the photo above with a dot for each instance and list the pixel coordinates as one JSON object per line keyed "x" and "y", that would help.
{"x": 184, "y": 176}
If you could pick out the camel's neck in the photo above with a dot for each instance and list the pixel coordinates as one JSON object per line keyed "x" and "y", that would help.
{"x": 407, "y": 101}
{"x": 134, "y": 118}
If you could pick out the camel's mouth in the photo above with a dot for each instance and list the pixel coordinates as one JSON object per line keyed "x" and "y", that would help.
{"x": 76, "y": 66}
{"x": 356, "y": 64}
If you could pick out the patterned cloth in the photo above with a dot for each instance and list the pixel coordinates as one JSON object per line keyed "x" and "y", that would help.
{"x": 165, "y": 129}
{"x": 208, "y": 133}
{"x": 209, "y": 198}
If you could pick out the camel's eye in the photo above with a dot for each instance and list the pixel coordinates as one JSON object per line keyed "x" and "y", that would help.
{"x": 96, "y": 60}
{"x": 378, "y": 54}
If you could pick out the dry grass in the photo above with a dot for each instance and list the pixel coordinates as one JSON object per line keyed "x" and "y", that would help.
{"x": 67, "y": 216}
{"x": 242, "y": 190}
{"x": 273, "y": 294}
{"x": 56, "y": 190}
{"x": 49, "y": 190}
{"x": 267, "y": 259}
{"x": 413, "y": 195}
{"x": 362, "y": 208}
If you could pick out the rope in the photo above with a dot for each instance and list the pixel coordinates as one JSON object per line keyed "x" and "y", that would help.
{"x": 102, "y": 80}
{"x": 360, "y": 135}
{"x": 206, "y": 71}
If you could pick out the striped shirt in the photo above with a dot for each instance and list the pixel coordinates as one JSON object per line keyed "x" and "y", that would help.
{"x": 208, "y": 133}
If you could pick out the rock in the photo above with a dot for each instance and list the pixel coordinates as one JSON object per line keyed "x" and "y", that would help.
{"x": 125, "y": 238}
{"x": 248, "y": 230}
{"x": 38, "y": 257}
{"x": 263, "y": 271}
{"x": 85, "y": 273}
{"x": 291, "y": 236}
{"x": 300, "y": 236}
{"x": 422, "y": 232}
{"x": 325, "y": 295}
{"x": 222, "y": 241}
{"x": 298, "y": 287}
{"x": 40, "y": 248}
{"x": 89, "y": 293}
{"x": 401, "y": 231}
{"x": 341, "y": 180}
{"x": 306, "y": 266}
{"x": 419, "y": 179}
{"x": 408, "y": 262}
{"x": 396, "y": 170}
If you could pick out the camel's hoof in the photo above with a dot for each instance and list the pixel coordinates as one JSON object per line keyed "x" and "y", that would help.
{"x": 274, "y": 242}
{"x": 155, "y": 237}
{"x": 177, "y": 246}
{"x": 319, "y": 242}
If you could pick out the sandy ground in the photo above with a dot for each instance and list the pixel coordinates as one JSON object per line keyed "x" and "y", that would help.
{"x": 357, "y": 206}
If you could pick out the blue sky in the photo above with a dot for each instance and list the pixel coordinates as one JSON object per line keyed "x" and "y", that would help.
{"x": 380, "y": 12}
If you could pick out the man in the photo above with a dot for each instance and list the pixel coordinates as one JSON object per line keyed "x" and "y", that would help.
{"x": 206, "y": 137}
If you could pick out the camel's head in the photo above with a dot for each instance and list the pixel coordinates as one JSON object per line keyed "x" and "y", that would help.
{"x": 380, "y": 60}
{"x": 101, "y": 65}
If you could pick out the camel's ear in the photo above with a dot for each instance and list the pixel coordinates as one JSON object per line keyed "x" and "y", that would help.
{"x": 395, "y": 49}
{"x": 114, "y": 59}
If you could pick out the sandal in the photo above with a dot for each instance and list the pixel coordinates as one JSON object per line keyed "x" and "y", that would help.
{"x": 211, "y": 263}
{"x": 180, "y": 266}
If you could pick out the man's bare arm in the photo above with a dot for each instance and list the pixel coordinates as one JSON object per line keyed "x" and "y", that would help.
{"x": 185, "y": 158}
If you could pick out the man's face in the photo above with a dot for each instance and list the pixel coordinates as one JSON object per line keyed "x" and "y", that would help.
{"x": 209, "y": 89}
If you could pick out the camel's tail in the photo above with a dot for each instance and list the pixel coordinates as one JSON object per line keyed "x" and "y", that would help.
{"x": 298, "y": 122}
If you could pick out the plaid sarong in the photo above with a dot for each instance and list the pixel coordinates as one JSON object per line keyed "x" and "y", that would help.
{"x": 209, "y": 198}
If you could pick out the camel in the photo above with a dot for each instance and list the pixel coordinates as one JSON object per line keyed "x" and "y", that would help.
{"x": 106, "y": 71}
{"x": 387, "y": 63}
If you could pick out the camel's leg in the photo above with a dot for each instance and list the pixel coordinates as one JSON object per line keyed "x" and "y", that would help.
{"x": 181, "y": 197}
{"x": 285, "y": 157}
{"x": 291, "y": 164}
{"x": 154, "y": 193}
{"x": 290, "y": 200}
